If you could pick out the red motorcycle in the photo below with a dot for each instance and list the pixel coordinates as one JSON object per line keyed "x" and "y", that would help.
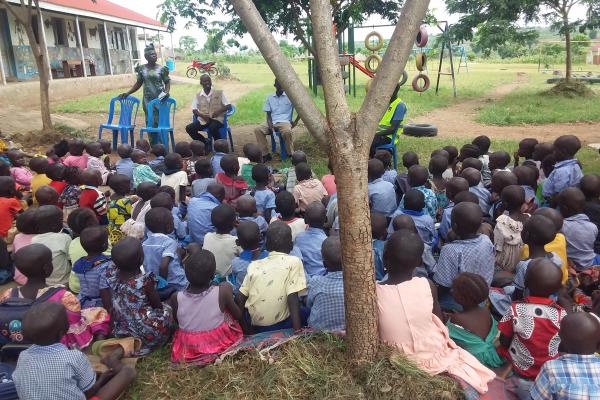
{"x": 203, "y": 67}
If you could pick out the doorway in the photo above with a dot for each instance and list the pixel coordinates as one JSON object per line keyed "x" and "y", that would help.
{"x": 8, "y": 58}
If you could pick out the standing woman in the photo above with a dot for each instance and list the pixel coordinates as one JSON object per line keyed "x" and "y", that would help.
{"x": 155, "y": 79}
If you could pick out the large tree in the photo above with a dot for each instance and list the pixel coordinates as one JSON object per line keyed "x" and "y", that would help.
{"x": 347, "y": 137}
{"x": 27, "y": 14}
{"x": 188, "y": 43}
{"x": 497, "y": 21}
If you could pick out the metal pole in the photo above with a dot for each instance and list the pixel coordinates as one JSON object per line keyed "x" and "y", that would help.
{"x": 80, "y": 46}
{"x": 172, "y": 46}
{"x": 130, "y": 47}
{"x": 162, "y": 58}
{"x": 2, "y": 69}
{"x": 144, "y": 30}
{"x": 107, "y": 48}
{"x": 43, "y": 29}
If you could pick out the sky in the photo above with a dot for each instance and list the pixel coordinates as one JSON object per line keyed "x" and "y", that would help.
{"x": 149, "y": 8}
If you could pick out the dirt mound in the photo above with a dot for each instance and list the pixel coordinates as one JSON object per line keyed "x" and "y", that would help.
{"x": 571, "y": 90}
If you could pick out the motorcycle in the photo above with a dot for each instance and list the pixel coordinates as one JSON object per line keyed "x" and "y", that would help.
{"x": 202, "y": 67}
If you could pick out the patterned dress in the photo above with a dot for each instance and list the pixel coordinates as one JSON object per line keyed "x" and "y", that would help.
{"x": 132, "y": 313}
{"x": 119, "y": 211}
{"x": 154, "y": 81}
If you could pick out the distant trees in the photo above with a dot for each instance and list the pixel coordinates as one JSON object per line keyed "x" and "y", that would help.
{"x": 188, "y": 43}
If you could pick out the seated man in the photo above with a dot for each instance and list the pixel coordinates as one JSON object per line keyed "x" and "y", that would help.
{"x": 279, "y": 112}
{"x": 389, "y": 123}
{"x": 209, "y": 106}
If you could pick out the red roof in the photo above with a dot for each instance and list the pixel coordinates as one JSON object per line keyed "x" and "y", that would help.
{"x": 106, "y": 8}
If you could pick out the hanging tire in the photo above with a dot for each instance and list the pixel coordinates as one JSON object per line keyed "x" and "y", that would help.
{"x": 374, "y": 46}
{"x": 420, "y": 130}
{"x": 369, "y": 62}
{"x": 191, "y": 72}
{"x": 420, "y": 88}
{"x": 212, "y": 71}
{"x": 422, "y": 37}
{"x": 403, "y": 79}
{"x": 421, "y": 61}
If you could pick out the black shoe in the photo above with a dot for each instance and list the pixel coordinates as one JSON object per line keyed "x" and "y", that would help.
{"x": 267, "y": 158}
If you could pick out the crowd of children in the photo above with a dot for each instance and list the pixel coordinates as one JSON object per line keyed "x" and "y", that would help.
{"x": 484, "y": 269}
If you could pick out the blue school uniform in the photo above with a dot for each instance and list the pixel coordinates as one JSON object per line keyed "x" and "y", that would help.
{"x": 423, "y": 222}
{"x": 430, "y": 200}
{"x": 156, "y": 247}
{"x": 309, "y": 244}
{"x": 475, "y": 255}
{"x": 199, "y": 211}
{"x": 90, "y": 272}
{"x": 484, "y": 198}
{"x": 566, "y": 174}
{"x": 580, "y": 234}
{"x": 326, "y": 300}
{"x": 378, "y": 246}
{"x": 265, "y": 199}
{"x": 382, "y": 197}
{"x": 390, "y": 175}
{"x": 446, "y": 221}
{"x": 215, "y": 161}
{"x": 239, "y": 267}
{"x": 125, "y": 167}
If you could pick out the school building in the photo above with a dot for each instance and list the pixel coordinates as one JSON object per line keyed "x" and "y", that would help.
{"x": 83, "y": 39}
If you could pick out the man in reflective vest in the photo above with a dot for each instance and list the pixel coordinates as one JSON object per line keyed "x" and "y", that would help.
{"x": 390, "y": 122}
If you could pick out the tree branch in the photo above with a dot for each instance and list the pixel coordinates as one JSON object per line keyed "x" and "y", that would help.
{"x": 299, "y": 31}
{"x": 393, "y": 63}
{"x": 283, "y": 70}
{"x": 338, "y": 113}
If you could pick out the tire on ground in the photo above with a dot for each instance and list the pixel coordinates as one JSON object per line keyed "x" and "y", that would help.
{"x": 374, "y": 46}
{"x": 420, "y": 130}
{"x": 369, "y": 61}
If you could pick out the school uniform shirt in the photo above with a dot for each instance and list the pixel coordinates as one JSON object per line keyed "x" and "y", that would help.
{"x": 97, "y": 164}
{"x": 175, "y": 180}
{"x": 390, "y": 175}
{"x": 592, "y": 210}
{"x": 53, "y": 372}
{"x": 476, "y": 255}
{"x": 76, "y": 251}
{"x": 446, "y": 221}
{"x": 423, "y": 222}
{"x": 125, "y": 167}
{"x": 533, "y": 325}
{"x": 199, "y": 211}
{"x": 158, "y": 165}
{"x": 158, "y": 246}
{"x": 181, "y": 229}
{"x": 382, "y": 196}
{"x": 430, "y": 200}
{"x": 215, "y": 161}
{"x": 58, "y": 243}
{"x": 200, "y": 185}
{"x": 401, "y": 184}
{"x": 326, "y": 301}
{"x": 308, "y": 191}
{"x": 566, "y": 174}
{"x": 267, "y": 285}
{"x": 265, "y": 199}
{"x": 521, "y": 270}
{"x": 9, "y": 208}
{"x": 76, "y": 161}
{"x": 378, "y": 246}
{"x": 309, "y": 244}
{"x": 568, "y": 377}
{"x": 484, "y": 197}
{"x": 224, "y": 249}
{"x": 529, "y": 194}
{"x": 239, "y": 267}
{"x": 581, "y": 235}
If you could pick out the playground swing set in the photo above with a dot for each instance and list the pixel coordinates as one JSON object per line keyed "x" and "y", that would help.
{"x": 374, "y": 42}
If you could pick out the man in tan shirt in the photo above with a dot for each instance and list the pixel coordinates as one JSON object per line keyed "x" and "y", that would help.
{"x": 209, "y": 106}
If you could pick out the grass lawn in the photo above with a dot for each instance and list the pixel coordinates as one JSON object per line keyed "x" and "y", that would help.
{"x": 530, "y": 105}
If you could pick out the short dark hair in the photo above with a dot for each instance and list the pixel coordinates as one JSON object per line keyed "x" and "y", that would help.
{"x": 483, "y": 142}
{"x": 38, "y": 165}
{"x": 221, "y": 146}
{"x": 203, "y": 168}
{"x": 285, "y": 204}
{"x": 417, "y": 175}
{"x": 159, "y": 220}
{"x": 198, "y": 148}
{"x": 80, "y": 219}
{"x": 303, "y": 171}
{"x": 437, "y": 165}
{"x": 162, "y": 199}
{"x": 375, "y": 168}
{"x": 183, "y": 149}
{"x": 94, "y": 239}
{"x": 49, "y": 219}
{"x": 466, "y": 218}
{"x": 248, "y": 235}
{"x": 124, "y": 150}
{"x": 252, "y": 152}
{"x": 279, "y": 237}
{"x": 26, "y": 222}
{"x": 385, "y": 157}
{"x": 173, "y": 161}
{"x": 513, "y": 197}
{"x": 260, "y": 173}
{"x": 230, "y": 164}
{"x": 469, "y": 289}
{"x": 414, "y": 200}
{"x": 200, "y": 267}
{"x": 409, "y": 159}
{"x": 223, "y": 217}
{"x": 159, "y": 150}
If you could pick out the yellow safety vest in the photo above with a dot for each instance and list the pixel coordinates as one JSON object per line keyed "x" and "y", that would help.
{"x": 386, "y": 121}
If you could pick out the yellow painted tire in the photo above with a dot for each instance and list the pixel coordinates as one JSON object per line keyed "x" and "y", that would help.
{"x": 374, "y": 46}
{"x": 421, "y": 61}
{"x": 420, "y": 88}
{"x": 369, "y": 62}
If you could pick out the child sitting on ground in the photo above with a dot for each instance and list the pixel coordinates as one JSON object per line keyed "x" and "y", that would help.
{"x": 136, "y": 225}
{"x": 38, "y": 165}
{"x": 405, "y": 222}
{"x": 198, "y": 152}
{"x": 175, "y": 177}
{"x": 158, "y": 163}
{"x": 507, "y": 233}
{"x": 47, "y": 196}
{"x": 91, "y": 197}
{"x": 265, "y": 198}
{"x": 73, "y": 377}
{"x": 10, "y": 206}
{"x": 382, "y": 196}
{"x": 579, "y": 342}
{"x": 285, "y": 205}
{"x": 69, "y": 198}
{"x": 204, "y": 177}
{"x": 418, "y": 177}
{"x": 579, "y": 231}
{"x": 289, "y": 174}
{"x": 185, "y": 151}
{"x": 500, "y": 180}
{"x": 131, "y": 298}
{"x": 55, "y": 173}
{"x": 141, "y": 170}
{"x": 529, "y": 329}
{"x": 35, "y": 262}
{"x": 120, "y": 205}
{"x": 221, "y": 243}
{"x": 307, "y": 189}
{"x": 27, "y": 227}
{"x": 483, "y": 143}
{"x": 221, "y": 148}
{"x": 106, "y": 152}
{"x": 475, "y": 186}
{"x": 590, "y": 186}
{"x": 499, "y": 161}
{"x": 270, "y": 289}
{"x": 326, "y": 293}
{"x": 567, "y": 171}
{"x": 379, "y": 233}
{"x": 453, "y": 187}
{"x": 410, "y": 317}
{"x": 474, "y": 329}
{"x": 91, "y": 268}
{"x": 310, "y": 241}
{"x": 208, "y": 318}
{"x": 246, "y": 210}
{"x": 437, "y": 167}
{"x": 414, "y": 202}
{"x": 401, "y": 184}
{"x": 527, "y": 177}
{"x": 472, "y": 162}
{"x": 254, "y": 154}
{"x": 166, "y": 198}
{"x": 20, "y": 173}
{"x": 235, "y": 185}
{"x": 77, "y": 157}
{"x": 161, "y": 255}
{"x": 143, "y": 145}
{"x": 200, "y": 210}
{"x": 125, "y": 165}
{"x": 249, "y": 239}
{"x": 470, "y": 253}
{"x": 94, "y": 151}
{"x": 50, "y": 225}
{"x": 328, "y": 180}
{"x": 390, "y": 173}
{"x": 525, "y": 150}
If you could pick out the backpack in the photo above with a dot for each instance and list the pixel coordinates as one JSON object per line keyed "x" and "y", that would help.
{"x": 12, "y": 311}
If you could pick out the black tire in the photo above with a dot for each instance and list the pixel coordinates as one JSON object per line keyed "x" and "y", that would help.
{"x": 404, "y": 78}
{"x": 191, "y": 72}
{"x": 212, "y": 71}
{"x": 420, "y": 130}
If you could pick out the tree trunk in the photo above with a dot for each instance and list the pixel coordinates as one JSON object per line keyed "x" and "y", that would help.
{"x": 568, "y": 61}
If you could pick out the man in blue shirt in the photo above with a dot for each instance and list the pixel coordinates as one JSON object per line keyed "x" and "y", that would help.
{"x": 310, "y": 241}
{"x": 279, "y": 111}
{"x": 390, "y": 122}
{"x": 382, "y": 194}
{"x": 200, "y": 209}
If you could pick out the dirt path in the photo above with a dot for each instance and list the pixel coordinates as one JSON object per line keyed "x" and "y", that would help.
{"x": 459, "y": 120}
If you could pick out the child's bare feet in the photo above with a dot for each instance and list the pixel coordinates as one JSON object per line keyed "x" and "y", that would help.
{"x": 113, "y": 359}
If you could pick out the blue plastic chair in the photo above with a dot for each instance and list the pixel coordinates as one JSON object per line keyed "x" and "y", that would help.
{"x": 224, "y": 131}
{"x": 166, "y": 121}
{"x": 276, "y": 132}
{"x": 391, "y": 146}
{"x": 128, "y": 108}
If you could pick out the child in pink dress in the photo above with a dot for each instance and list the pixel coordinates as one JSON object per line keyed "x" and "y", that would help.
{"x": 410, "y": 316}
{"x": 206, "y": 314}
{"x": 77, "y": 157}
{"x": 21, "y": 174}
{"x": 27, "y": 227}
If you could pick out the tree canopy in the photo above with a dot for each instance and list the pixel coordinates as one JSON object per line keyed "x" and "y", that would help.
{"x": 188, "y": 43}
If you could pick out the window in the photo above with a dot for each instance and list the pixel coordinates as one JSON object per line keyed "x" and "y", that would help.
{"x": 35, "y": 24}
{"x": 117, "y": 38}
{"x": 83, "y": 32}
{"x": 60, "y": 32}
